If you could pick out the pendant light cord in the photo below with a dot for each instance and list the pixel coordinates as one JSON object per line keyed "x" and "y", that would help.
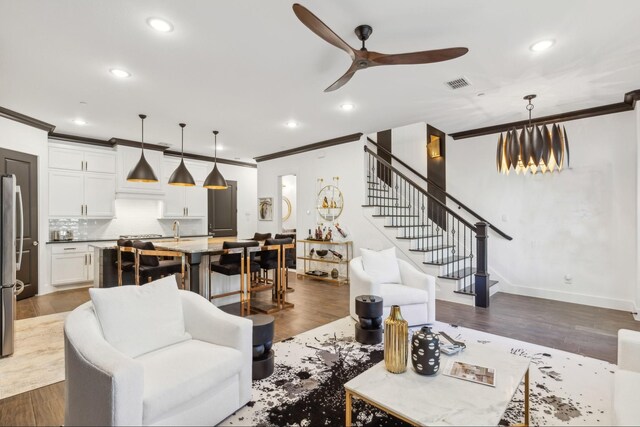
{"x": 142, "y": 117}
{"x": 215, "y": 147}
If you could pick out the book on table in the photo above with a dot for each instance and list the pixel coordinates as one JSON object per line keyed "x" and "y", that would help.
{"x": 469, "y": 372}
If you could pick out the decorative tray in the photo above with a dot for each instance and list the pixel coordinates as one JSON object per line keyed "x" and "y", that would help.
{"x": 318, "y": 273}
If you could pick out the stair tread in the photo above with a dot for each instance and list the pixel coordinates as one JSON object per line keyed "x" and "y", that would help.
{"x": 447, "y": 260}
{"x": 407, "y": 226}
{"x": 428, "y": 236}
{"x": 460, "y": 274}
{"x": 385, "y": 206}
{"x": 386, "y": 190}
{"x": 466, "y": 291}
{"x": 395, "y": 216}
{"x": 382, "y": 197}
{"x": 435, "y": 248}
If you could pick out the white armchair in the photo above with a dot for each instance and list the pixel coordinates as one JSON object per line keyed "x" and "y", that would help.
{"x": 198, "y": 381}
{"x": 416, "y": 295}
{"x": 626, "y": 380}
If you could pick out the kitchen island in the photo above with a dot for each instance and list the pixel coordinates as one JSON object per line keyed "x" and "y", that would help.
{"x": 198, "y": 251}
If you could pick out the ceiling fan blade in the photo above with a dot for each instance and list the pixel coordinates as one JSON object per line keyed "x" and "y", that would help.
{"x": 344, "y": 79}
{"x": 425, "y": 57}
{"x": 314, "y": 23}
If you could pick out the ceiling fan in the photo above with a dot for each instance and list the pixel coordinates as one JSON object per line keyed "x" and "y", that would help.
{"x": 364, "y": 58}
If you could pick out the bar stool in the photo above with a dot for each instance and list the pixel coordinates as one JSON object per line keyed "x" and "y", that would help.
{"x": 232, "y": 263}
{"x": 149, "y": 265}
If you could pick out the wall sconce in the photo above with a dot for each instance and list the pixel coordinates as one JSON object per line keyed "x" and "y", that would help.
{"x": 433, "y": 147}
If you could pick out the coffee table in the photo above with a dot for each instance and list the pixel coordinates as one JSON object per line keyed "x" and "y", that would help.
{"x": 444, "y": 400}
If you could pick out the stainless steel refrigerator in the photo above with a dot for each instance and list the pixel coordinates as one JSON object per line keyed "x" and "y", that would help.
{"x": 11, "y": 225}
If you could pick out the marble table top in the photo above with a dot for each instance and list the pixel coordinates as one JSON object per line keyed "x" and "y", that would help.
{"x": 188, "y": 245}
{"x": 443, "y": 400}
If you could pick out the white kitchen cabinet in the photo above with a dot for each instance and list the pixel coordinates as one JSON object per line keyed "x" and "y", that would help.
{"x": 99, "y": 195}
{"x": 184, "y": 202}
{"x": 66, "y": 194}
{"x": 196, "y": 201}
{"x": 68, "y": 268}
{"x": 82, "y": 159}
{"x": 127, "y": 158}
{"x": 66, "y": 158}
{"x": 98, "y": 162}
{"x": 71, "y": 263}
{"x": 173, "y": 201}
{"x": 81, "y": 194}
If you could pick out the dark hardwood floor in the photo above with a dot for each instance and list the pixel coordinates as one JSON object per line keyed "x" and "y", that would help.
{"x": 589, "y": 331}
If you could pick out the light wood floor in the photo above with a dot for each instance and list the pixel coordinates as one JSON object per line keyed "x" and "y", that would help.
{"x": 575, "y": 328}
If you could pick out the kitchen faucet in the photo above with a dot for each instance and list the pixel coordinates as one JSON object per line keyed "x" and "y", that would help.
{"x": 176, "y": 230}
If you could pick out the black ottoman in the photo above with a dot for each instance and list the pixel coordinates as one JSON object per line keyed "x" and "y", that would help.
{"x": 369, "y": 327}
{"x": 262, "y": 341}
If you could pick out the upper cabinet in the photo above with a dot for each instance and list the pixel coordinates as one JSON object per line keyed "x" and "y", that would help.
{"x": 82, "y": 182}
{"x": 127, "y": 158}
{"x": 87, "y": 160}
{"x": 184, "y": 202}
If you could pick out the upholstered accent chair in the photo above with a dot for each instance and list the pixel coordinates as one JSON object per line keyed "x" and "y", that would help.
{"x": 412, "y": 290}
{"x": 626, "y": 379}
{"x": 154, "y": 355}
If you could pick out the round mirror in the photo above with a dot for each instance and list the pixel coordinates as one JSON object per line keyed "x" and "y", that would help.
{"x": 330, "y": 202}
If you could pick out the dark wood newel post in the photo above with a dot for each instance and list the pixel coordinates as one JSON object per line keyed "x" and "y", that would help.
{"x": 482, "y": 271}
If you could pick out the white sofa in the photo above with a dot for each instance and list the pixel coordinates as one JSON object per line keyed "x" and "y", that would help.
{"x": 198, "y": 381}
{"x": 626, "y": 380}
{"x": 416, "y": 294}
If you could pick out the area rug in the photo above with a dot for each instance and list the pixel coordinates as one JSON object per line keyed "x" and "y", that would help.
{"x": 38, "y": 359}
{"x": 311, "y": 368}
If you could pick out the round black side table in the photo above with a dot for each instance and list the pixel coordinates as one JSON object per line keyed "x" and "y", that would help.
{"x": 369, "y": 327}
{"x": 263, "y": 355}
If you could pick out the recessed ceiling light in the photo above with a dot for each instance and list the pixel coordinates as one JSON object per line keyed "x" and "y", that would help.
{"x": 120, "y": 73}
{"x": 160, "y": 25}
{"x": 79, "y": 122}
{"x": 291, "y": 124}
{"x": 347, "y": 106}
{"x": 542, "y": 45}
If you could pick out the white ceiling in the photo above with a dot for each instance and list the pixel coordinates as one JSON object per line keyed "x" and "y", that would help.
{"x": 246, "y": 67}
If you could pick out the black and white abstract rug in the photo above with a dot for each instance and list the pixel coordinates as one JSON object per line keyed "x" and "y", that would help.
{"x": 306, "y": 388}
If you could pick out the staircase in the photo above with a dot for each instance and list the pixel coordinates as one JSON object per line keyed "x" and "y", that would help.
{"x": 435, "y": 237}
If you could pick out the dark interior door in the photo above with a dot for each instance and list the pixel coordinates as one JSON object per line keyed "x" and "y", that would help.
{"x": 223, "y": 211}
{"x": 24, "y": 167}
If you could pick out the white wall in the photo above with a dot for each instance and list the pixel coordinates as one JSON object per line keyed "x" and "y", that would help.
{"x": 26, "y": 139}
{"x": 637, "y": 307}
{"x": 409, "y": 143}
{"x": 581, "y": 222}
{"x": 289, "y": 190}
{"x": 345, "y": 161}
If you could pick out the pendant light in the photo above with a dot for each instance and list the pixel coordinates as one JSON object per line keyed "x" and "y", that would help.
{"x": 142, "y": 172}
{"x": 215, "y": 180}
{"x": 181, "y": 176}
{"x": 536, "y": 149}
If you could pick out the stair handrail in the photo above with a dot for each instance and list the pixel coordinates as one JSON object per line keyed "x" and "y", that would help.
{"x": 430, "y": 182}
{"x": 421, "y": 190}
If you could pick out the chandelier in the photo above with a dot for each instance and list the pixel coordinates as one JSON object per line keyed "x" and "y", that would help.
{"x": 535, "y": 149}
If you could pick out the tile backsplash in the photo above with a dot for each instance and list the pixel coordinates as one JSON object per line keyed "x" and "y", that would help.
{"x": 132, "y": 217}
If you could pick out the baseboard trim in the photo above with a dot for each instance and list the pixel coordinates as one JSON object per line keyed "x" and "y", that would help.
{"x": 592, "y": 300}
{"x": 636, "y": 314}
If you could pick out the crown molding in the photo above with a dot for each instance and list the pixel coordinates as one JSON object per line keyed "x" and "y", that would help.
{"x": 628, "y": 104}
{"x": 79, "y": 139}
{"x": 310, "y": 147}
{"x": 26, "y": 120}
{"x": 137, "y": 144}
{"x": 210, "y": 159}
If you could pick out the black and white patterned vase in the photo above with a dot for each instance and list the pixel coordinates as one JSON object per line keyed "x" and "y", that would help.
{"x": 425, "y": 351}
